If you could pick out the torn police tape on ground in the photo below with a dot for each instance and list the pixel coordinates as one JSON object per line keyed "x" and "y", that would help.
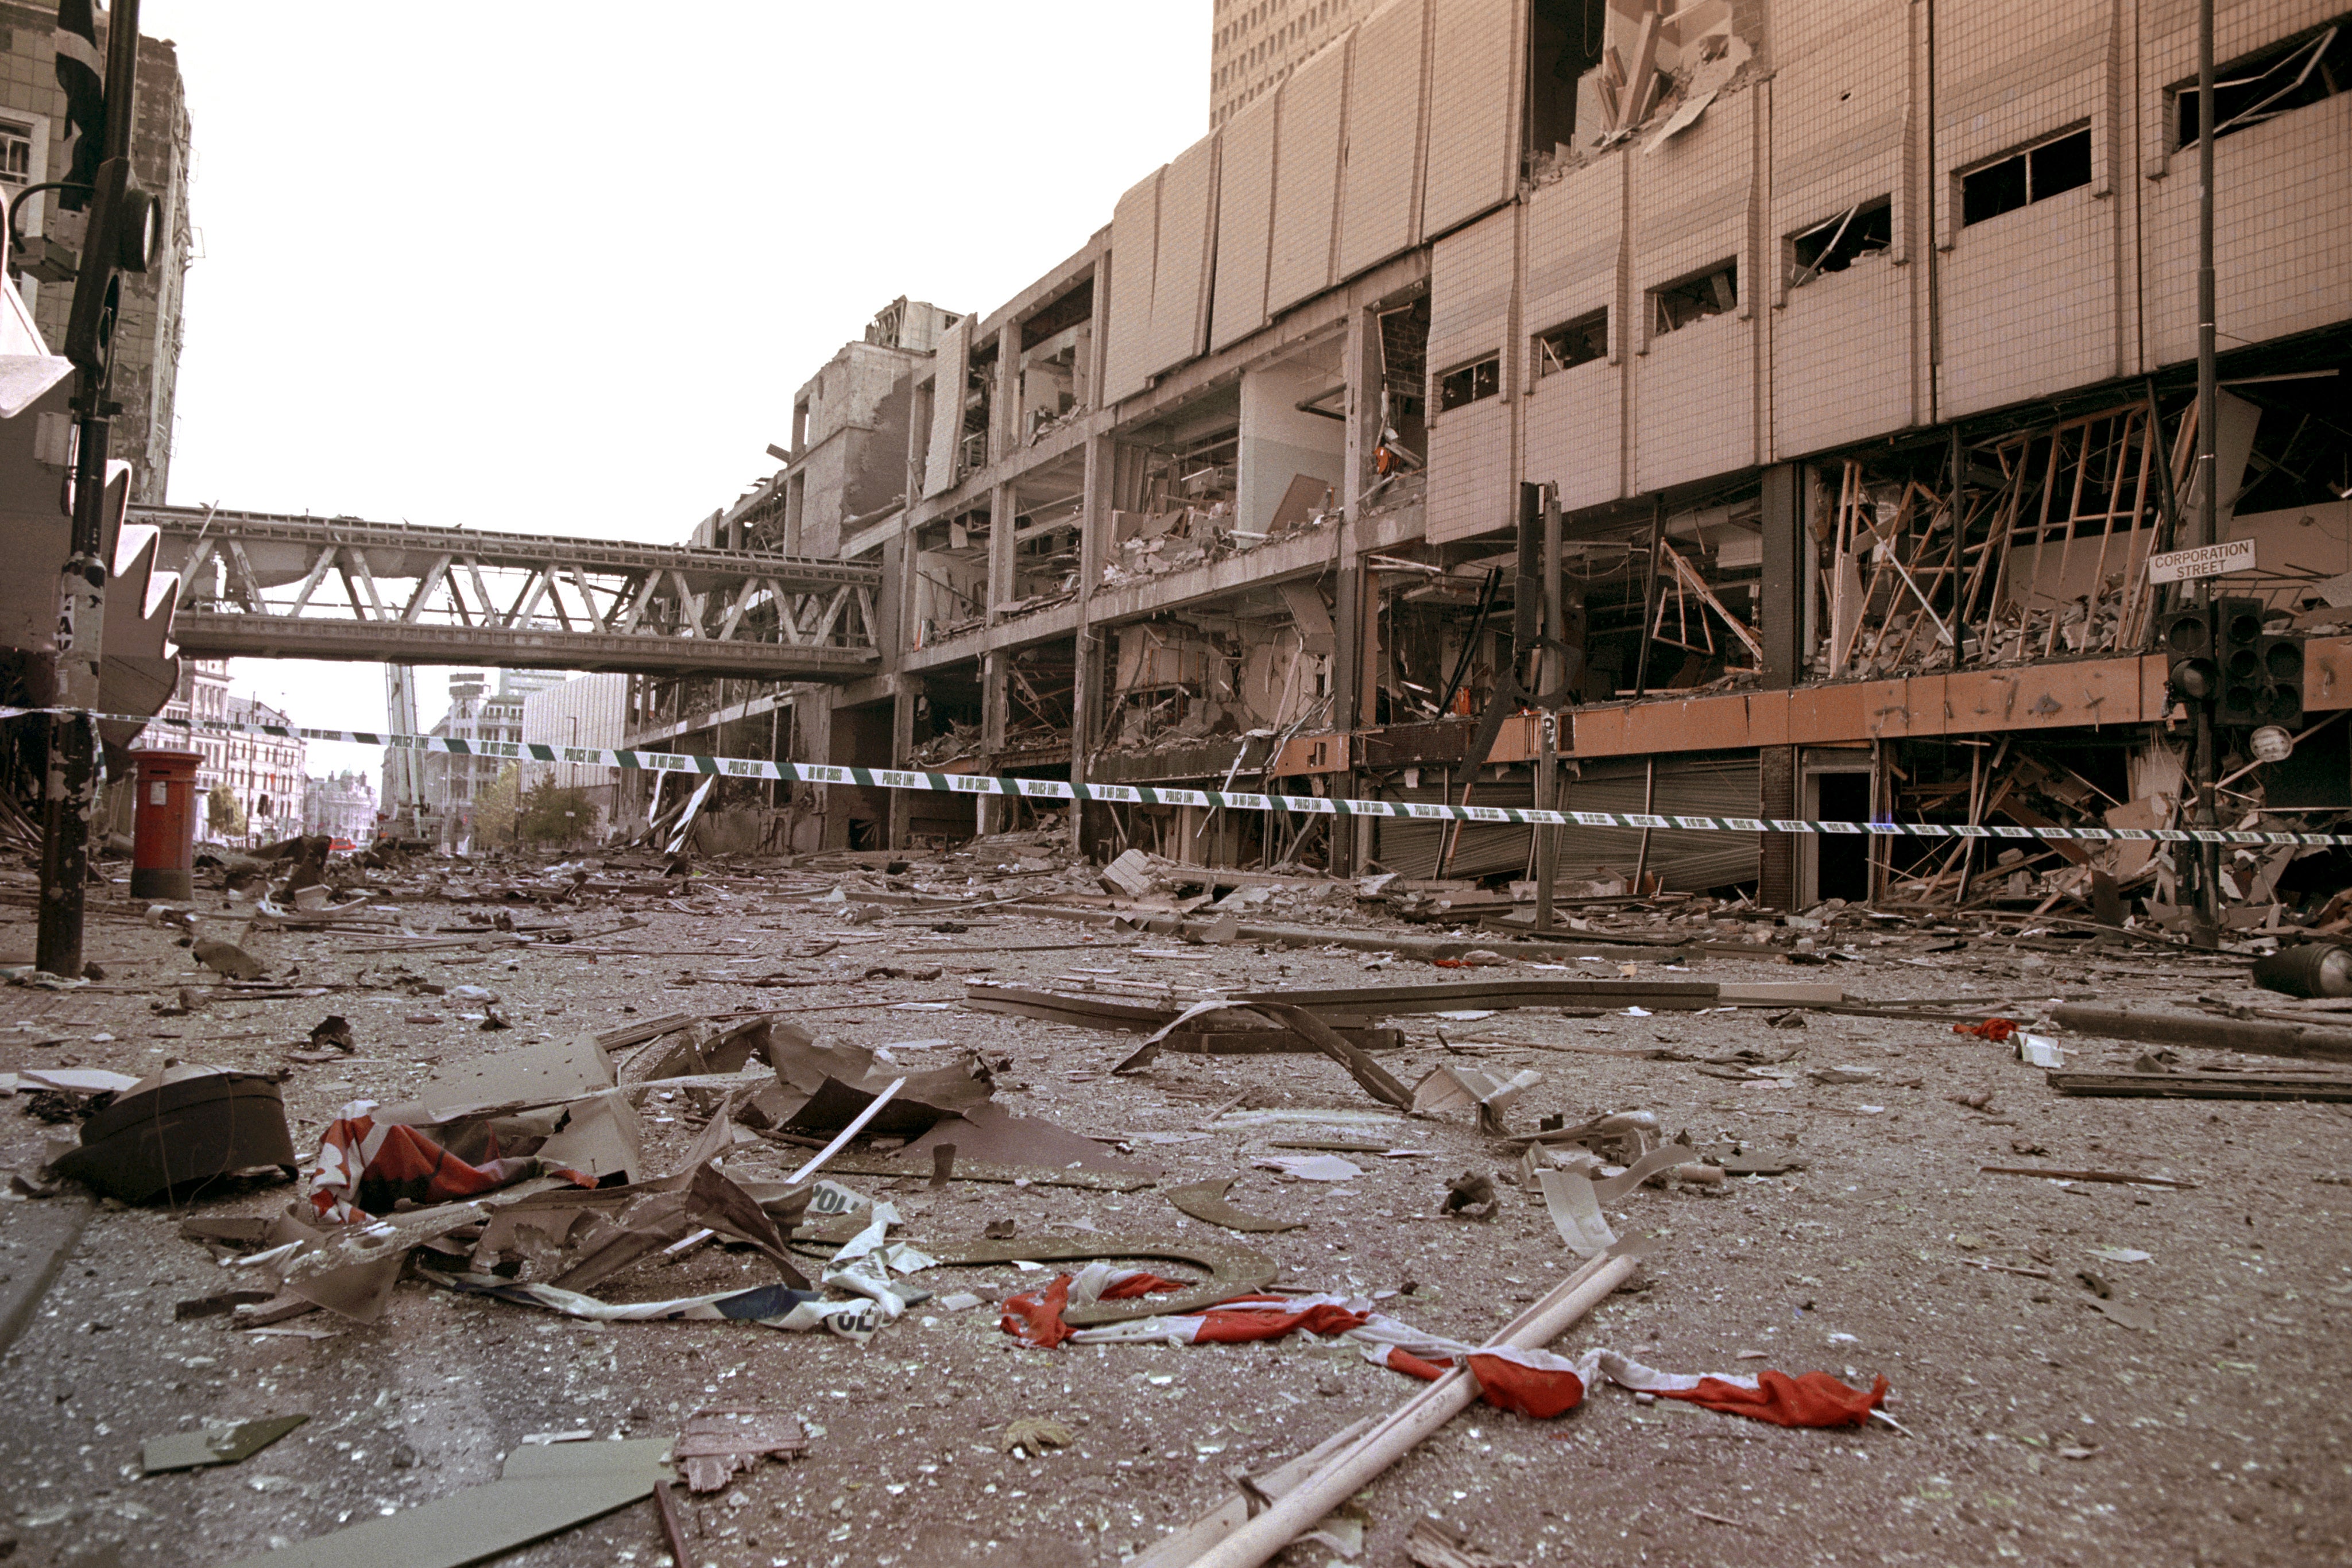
{"x": 760, "y": 769}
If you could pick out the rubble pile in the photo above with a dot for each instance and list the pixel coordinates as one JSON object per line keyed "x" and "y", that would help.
{"x": 1178, "y": 1212}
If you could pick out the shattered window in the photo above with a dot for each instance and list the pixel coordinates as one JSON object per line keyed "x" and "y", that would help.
{"x": 1833, "y": 245}
{"x": 2047, "y": 169}
{"x": 1710, "y": 293}
{"x": 15, "y": 152}
{"x": 1468, "y": 383}
{"x": 1574, "y": 343}
{"x": 2272, "y": 82}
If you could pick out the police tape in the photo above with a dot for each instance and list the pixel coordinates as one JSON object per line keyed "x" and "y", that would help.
{"x": 760, "y": 771}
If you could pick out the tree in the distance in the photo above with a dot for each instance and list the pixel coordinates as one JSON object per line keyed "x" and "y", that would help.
{"x": 223, "y": 815}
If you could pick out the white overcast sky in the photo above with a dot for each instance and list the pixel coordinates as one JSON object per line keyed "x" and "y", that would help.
{"x": 560, "y": 267}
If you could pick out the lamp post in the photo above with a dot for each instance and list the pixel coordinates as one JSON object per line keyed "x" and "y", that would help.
{"x": 2205, "y": 923}
{"x": 69, "y": 792}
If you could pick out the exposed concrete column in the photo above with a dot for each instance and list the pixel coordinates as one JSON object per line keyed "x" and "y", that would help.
{"x": 1094, "y": 515}
{"x": 1355, "y": 672}
{"x": 1782, "y": 628}
{"x": 995, "y": 681}
{"x": 1000, "y": 550}
{"x": 1350, "y": 675}
{"x": 1360, "y": 363}
{"x": 1005, "y": 402}
{"x": 902, "y": 755}
{"x": 1087, "y": 644}
{"x": 833, "y": 800}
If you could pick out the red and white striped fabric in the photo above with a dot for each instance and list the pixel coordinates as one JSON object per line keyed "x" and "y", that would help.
{"x": 1036, "y": 1318}
{"x": 363, "y": 1170}
{"x": 1813, "y": 1399}
{"x": 1534, "y": 1383}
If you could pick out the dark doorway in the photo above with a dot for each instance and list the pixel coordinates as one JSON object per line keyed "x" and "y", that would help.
{"x": 1841, "y": 861}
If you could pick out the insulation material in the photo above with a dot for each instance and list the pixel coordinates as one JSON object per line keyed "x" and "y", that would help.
{"x": 1134, "y": 247}
{"x": 1181, "y": 274}
{"x": 947, "y": 408}
{"x": 1244, "y": 223}
{"x": 1378, "y": 175}
{"x": 1473, "y": 111}
{"x": 1307, "y": 179}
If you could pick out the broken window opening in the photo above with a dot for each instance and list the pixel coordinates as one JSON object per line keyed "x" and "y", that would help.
{"x": 980, "y": 377}
{"x": 1713, "y": 292}
{"x": 2260, "y": 87}
{"x": 1466, "y": 384}
{"x": 1045, "y": 538}
{"x": 1565, "y": 39}
{"x": 1404, "y": 364}
{"x": 1174, "y": 509}
{"x": 1572, "y": 343}
{"x": 2047, "y": 169}
{"x": 1863, "y": 229}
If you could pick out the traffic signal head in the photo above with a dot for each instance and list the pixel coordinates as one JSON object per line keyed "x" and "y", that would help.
{"x": 2187, "y": 638}
{"x": 2282, "y": 696}
{"x": 2260, "y": 675}
{"x": 2237, "y": 649}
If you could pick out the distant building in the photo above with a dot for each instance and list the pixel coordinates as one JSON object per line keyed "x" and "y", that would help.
{"x": 586, "y": 711}
{"x": 341, "y": 804}
{"x": 263, "y": 772}
{"x": 456, "y": 785}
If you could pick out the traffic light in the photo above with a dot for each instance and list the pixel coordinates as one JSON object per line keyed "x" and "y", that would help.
{"x": 2262, "y": 675}
{"x": 2281, "y": 662}
{"x": 2237, "y": 647}
{"x": 2187, "y": 638}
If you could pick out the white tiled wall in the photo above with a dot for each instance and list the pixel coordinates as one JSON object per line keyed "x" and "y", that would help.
{"x": 1472, "y": 280}
{"x": 1693, "y": 403}
{"x": 1574, "y": 261}
{"x": 1379, "y": 181}
{"x": 1245, "y": 222}
{"x": 1307, "y": 178}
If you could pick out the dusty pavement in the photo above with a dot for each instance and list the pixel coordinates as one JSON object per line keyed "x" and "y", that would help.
{"x": 2035, "y": 1426}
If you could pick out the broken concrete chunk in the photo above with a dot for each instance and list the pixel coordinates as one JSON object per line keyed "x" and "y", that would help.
{"x": 1033, "y": 1434}
{"x": 229, "y": 959}
{"x": 720, "y": 1441}
{"x": 1471, "y": 1196}
{"x": 1129, "y": 876}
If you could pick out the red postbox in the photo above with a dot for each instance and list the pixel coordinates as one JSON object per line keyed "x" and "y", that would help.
{"x": 163, "y": 848}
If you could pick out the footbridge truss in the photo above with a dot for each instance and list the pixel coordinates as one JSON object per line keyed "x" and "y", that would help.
{"x": 258, "y": 585}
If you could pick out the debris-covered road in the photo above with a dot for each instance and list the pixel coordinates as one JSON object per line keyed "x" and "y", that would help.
{"x": 2083, "y": 1371}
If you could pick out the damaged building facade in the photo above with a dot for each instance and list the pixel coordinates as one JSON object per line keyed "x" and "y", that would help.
{"x": 1852, "y": 343}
